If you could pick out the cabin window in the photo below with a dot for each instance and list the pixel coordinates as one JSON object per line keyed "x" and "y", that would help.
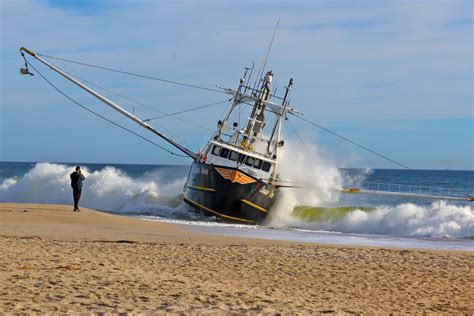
{"x": 216, "y": 150}
{"x": 257, "y": 163}
{"x": 224, "y": 152}
{"x": 266, "y": 166}
{"x": 249, "y": 161}
{"x": 233, "y": 156}
{"x": 241, "y": 158}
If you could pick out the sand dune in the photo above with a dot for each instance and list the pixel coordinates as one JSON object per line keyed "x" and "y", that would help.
{"x": 54, "y": 260}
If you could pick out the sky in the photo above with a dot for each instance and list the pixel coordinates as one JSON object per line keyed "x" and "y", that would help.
{"x": 395, "y": 76}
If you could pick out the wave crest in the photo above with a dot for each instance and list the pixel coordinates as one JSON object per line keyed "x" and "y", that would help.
{"x": 108, "y": 189}
{"x": 153, "y": 194}
{"x": 440, "y": 219}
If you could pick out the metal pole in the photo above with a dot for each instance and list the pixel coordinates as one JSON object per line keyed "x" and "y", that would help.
{"x": 111, "y": 104}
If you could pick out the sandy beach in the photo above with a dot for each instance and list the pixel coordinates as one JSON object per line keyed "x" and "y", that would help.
{"x": 56, "y": 261}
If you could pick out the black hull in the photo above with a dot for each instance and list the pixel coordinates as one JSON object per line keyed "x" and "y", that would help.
{"x": 228, "y": 193}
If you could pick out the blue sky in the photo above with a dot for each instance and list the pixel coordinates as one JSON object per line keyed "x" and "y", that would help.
{"x": 396, "y": 76}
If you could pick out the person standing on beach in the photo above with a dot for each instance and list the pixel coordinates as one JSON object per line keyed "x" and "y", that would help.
{"x": 76, "y": 184}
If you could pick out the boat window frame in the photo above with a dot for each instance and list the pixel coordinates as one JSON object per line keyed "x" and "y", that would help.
{"x": 247, "y": 161}
{"x": 218, "y": 148}
{"x": 259, "y": 165}
{"x": 226, "y": 151}
{"x": 265, "y": 163}
{"x": 240, "y": 150}
{"x": 235, "y": 156}
{"x": 241, "y": 158}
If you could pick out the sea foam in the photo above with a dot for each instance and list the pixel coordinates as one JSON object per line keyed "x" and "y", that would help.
{"x": 152, "y": 194}
{"x": 107, "y": 189}
{"x": 316, "y": 179}
{"x": 321, "y": 182}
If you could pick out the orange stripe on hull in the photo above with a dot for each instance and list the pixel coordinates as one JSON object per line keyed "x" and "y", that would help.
{"x": 235, "y": 176}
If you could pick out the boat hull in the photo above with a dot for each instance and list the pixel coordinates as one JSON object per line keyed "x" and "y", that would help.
{"x": 228, "y": 193}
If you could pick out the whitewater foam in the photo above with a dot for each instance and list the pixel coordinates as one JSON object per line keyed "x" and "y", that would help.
{"x": 317, "y": 179}
{"x": 108, "y": 189}
{"x": 440, "y": 219}
{"x": 155, "y": 195}
{"x": 303, "y": 164}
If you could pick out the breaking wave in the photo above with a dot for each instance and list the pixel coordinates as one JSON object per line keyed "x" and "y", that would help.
{"x": 107, "y": 189}
{"x": 439, "y": 219}
{"x": 316, "y": 179}
{"x": 154, "y": 194}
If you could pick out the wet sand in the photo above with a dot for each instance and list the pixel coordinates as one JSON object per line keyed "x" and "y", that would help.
{"x": 56, "y": 261}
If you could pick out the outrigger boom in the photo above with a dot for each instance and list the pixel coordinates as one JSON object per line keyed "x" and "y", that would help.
{"x": 112, "y": 104}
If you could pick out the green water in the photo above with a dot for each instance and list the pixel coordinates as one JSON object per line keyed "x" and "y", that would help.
{"x": 325, "y": 214}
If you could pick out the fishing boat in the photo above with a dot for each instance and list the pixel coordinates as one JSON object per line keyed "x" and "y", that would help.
{"x": 235, "y": 176}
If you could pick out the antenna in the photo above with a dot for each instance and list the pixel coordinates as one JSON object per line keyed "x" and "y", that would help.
{"x": 262, "y": 68}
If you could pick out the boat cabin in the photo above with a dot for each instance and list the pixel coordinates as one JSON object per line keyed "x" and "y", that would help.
{"x": 253, "y": 163}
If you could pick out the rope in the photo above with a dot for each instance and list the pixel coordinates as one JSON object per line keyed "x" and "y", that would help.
{"x": 296, "y": 134}
{"x": 184, "y": 111}
{"x": 103, "y": 117}
{"x": 135, "y": 74}
{"x": 142, "y": 104}
{"x": 264, "y": 64}
{"x": 306, "y": 147}
{"x": 370, "y": 150}
{"x": 172, "y": 135}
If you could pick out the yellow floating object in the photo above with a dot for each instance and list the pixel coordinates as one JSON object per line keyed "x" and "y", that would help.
{"x": 350, "y": 190}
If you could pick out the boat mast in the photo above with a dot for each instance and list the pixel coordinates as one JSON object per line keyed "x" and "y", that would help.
{"x": 112, "y": 104}
{"x": 277, "y": 126}
{"x": 256, "y": 121}
{"x": 277, "y": 130}
{"x": 236, "y": 100}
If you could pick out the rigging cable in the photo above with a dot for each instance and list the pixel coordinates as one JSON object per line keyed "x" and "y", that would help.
{"x": 150, "y": 107}
{"x": 134, "y": 74}
{"x": 187, "y": 110}
{"x": 264, "y": 63}
{"x": 297, "y": 136}
{"x": 307, "y": 148}
{"x": 370, "y": 150}
{"x": 103, "y": 117}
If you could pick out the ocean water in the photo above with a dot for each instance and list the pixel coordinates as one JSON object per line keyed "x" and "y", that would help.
{"x": 315, "y": 213}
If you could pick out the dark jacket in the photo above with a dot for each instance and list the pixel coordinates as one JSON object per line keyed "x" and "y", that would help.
{"x": 76, "y": 180}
